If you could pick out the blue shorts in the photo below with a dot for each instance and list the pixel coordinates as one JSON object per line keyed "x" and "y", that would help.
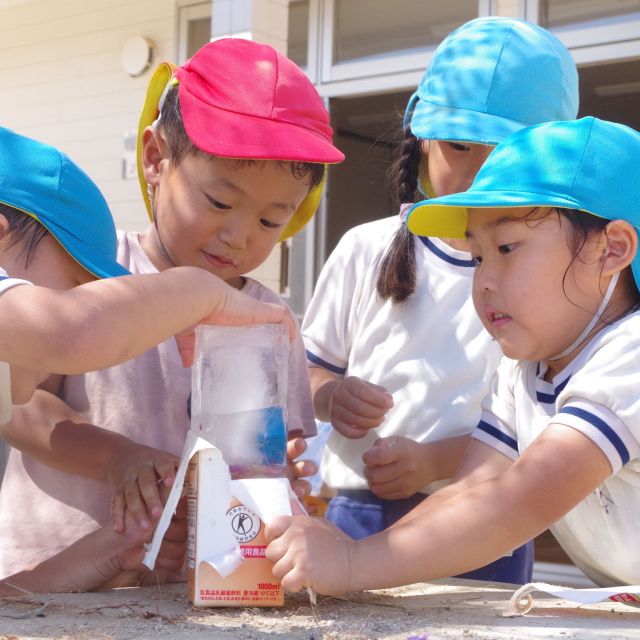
{"x": 360, "y": 513}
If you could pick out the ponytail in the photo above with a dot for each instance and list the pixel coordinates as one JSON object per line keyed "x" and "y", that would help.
{"x": 397, "y": 276}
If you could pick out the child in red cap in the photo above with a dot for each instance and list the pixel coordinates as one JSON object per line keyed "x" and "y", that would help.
{"x": 233, "y": 148}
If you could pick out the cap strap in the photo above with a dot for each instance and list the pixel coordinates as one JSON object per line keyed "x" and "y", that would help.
{"x": 587, "y": 330}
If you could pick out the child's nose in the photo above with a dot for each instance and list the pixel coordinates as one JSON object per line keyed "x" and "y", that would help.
{"x": 234, "y": 232}
{"x": 483, "y": 278}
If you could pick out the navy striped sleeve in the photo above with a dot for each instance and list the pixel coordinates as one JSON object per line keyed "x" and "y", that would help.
{"x": 314, "y": 359}
{"x": 492, "y": 431}
{"x": 602, "y": 427}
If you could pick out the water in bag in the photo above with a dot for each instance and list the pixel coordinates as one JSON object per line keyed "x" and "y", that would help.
{"x": 239, "y": 389}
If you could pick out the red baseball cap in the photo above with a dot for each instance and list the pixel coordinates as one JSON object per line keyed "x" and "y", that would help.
{"x": 242, "y": 99}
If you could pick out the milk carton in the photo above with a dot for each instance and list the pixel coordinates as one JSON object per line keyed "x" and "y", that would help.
{"x": 238, "y": 404}
{"x": 251, "y": 581}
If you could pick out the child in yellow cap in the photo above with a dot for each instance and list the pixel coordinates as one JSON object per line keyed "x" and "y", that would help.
{"x": 233, "y": 152}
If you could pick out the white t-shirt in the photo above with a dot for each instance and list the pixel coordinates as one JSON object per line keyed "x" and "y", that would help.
{"x": 597, "y": 394}
{"x": 43, "y": 510}
{"x": 431, "y": 353}
{"x": 6, "y": 282}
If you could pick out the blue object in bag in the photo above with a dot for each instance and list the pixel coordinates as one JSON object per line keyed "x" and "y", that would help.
{"x": 272, "y": 442}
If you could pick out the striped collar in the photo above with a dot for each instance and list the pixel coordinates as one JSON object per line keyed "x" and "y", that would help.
{"x": 443, "y": 251}
{"x": 548, "y": 392}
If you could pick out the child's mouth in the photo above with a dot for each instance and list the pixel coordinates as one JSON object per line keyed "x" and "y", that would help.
{"x": 218, "y": 261}
{"x": 498, "y": 319}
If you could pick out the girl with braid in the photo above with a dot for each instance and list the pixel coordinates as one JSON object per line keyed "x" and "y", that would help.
{"x": 398, "y": 359}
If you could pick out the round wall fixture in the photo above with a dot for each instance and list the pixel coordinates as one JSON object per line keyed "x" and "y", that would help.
{"x": 136, "y": 55}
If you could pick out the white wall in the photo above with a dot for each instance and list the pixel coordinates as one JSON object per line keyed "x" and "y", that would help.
{"x": 62, "y": 82}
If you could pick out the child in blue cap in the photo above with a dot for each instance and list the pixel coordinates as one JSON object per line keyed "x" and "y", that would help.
{"x": 56, "y": 232}
{"x": 553, "y": 219}
{"x": 401, "y": 387}
{"x": 233, "y": 148}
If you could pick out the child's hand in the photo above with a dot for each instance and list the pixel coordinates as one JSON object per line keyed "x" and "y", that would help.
{"x": 174, "y": 544}
{"x": 239, "y": 309}
{"x": 136, "y": 479}
{"x": 171, "y": 555}
{"x": 395, "y": 468}
{"x": 309, "y": 552}
{"x": 298, "y": 470}
{"x": 129, "y": 548}
{"x": 357, "y": 406}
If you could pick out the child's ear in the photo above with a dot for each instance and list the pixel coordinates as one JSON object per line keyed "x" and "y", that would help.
{"x": 153, "y": 153}
{"x": 4, "y": 227}
{"x": 622, "y": 245}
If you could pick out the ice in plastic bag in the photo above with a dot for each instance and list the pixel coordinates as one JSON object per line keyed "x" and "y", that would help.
{"x": 238, "y": 396}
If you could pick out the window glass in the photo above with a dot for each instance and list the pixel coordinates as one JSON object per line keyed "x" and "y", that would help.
{"x": 298, "y": 36}
{"x": 194, "y": 28}
{"x": 371, "y": 27}
{"x": 198, "y": 34}
{"x": 560, "y": 12}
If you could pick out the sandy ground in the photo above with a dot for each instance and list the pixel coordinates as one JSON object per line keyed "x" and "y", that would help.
{"x": 451, "y": 609}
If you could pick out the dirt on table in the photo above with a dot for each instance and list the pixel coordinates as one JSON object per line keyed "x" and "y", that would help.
{"x": 446, "y": 609}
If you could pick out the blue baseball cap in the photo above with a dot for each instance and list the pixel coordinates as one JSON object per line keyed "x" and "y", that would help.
{"x": 589, "y": 164}
{"x": 46, "y": 185}
{"x": 491, "y": 77}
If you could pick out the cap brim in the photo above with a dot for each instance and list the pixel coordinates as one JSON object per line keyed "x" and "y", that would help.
{"x": 305, "y": 211}
{"x": 150, "y": 111}
{"x": 87, "y": 256}
{"x": 434, "y": 122}
{"x": 446, "y": 217}
{"x": 94, "y": 261}
{"x": 246, "y": 136}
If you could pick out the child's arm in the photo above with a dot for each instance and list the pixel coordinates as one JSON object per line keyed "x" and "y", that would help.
{"x": 97, "y": 559}
{"x": 86, "y": 564}
{"x": 102, "y": 323}
{"x": 466, "y": 528}
{"x": 54, "y": 434}
{"x": 352, "y": 405}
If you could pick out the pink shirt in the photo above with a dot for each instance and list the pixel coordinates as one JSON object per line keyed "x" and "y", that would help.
{"x": 43, "y": 510}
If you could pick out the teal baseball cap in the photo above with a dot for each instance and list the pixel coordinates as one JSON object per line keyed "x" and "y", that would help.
{"x": 44, "y": 183}
{"x": 589, "y": 164}
{"x": 491, "y": 77}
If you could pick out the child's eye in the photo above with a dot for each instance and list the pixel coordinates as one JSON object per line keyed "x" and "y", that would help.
{"x": 506, "y": 248}
{"x": 477, "y": 260}
{"x": 458, "y": 146}
{"x": 268, "y": 224}
{"x": 217, "y": 204}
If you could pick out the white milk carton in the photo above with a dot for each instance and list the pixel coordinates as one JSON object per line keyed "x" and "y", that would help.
{"x": 238, "y": 404}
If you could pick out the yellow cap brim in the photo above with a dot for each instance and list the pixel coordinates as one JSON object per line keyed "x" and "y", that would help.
{"x": 306, "y": 210}
{"x": 150, "y": 111}
{"x": 437, "y": 220}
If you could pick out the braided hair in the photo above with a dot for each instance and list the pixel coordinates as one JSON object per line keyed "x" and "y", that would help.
{"x": 397, "y": 275}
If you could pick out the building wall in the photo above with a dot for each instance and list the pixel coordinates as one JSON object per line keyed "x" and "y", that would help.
{"x": 63, "y": 83}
